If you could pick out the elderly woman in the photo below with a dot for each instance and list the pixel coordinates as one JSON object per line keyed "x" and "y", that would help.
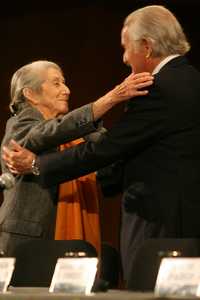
{"x": 40, "y": 122}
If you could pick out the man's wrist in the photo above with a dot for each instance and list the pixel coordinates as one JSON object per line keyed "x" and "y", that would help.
{"x": 35, "y": 168}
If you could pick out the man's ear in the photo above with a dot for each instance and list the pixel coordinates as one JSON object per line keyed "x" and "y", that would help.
{"x": 148, "y": 47}
{"x": 29, "y": 95}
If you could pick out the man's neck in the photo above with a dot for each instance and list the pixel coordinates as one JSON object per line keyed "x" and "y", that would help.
{"x": 163, "y": 62}
{"x": 153, "y": 63}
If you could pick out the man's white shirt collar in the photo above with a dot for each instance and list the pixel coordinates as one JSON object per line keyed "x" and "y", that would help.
{"x": 164, "y": 62}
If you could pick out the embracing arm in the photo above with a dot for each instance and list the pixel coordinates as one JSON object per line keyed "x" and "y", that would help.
{"x": 45, "y": 134}
{"x": 140, "y": 126}
{"x": 90, "y": 156}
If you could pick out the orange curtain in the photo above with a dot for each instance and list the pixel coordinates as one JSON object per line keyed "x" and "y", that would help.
{"x": 78, "y": 208}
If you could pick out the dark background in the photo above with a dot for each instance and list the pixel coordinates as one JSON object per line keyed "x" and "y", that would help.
{"x": 83, "y": 37}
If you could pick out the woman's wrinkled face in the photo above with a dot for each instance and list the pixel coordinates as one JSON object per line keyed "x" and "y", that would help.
{"x": 52, "y": 99}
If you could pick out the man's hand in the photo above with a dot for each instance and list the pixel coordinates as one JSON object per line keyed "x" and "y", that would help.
{"x": 18, "y": 159}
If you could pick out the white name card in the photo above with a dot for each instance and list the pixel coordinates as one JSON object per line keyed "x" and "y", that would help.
{"x": 7, "y": 265}
{"x": 178, "y": 277}
{"x": 74, "y": 275}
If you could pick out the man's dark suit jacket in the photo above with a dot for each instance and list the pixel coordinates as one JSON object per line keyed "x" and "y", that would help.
{"x": 158, "y": 138}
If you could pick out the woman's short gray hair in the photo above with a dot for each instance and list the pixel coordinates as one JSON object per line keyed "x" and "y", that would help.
{"x": 160, "y": 27}
{"x": 31, "y": 76}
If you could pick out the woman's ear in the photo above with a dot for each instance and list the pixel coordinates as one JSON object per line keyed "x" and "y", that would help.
{"x": 29, "y": 95}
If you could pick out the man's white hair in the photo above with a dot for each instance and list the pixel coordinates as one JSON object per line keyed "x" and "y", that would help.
{"x": 159, "y": 26}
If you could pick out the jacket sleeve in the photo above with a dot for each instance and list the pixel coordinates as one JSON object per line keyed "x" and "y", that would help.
{"x": 41, "y": 135}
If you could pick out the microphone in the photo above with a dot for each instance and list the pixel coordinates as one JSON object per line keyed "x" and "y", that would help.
{"x": 7, "y": 181}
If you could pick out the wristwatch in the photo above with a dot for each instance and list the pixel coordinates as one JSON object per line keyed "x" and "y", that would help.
{"x": 35, "y": 167}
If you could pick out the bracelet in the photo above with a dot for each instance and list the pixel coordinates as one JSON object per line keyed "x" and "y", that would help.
{"x": 35, "y": 168}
